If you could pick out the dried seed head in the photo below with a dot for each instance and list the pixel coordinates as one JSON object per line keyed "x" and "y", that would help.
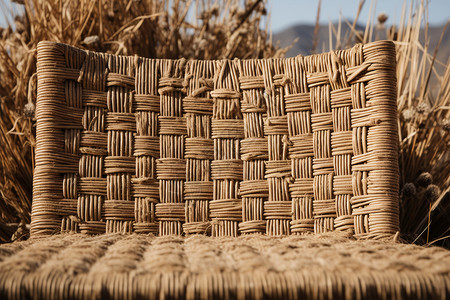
{"x": 424, "y": 179}
{"x": 423, "y": 108}
{"x": 382, "y": 18}
{"x": 408, "y": 114}
{"x": 432, "y": 193}
{"x": 29, "y": 109}
{"x": 409, "y": 190}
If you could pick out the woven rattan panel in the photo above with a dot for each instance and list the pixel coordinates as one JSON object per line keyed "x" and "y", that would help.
{"x": 274, "y": 146}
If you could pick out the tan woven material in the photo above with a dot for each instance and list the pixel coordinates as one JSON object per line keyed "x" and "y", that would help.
{"x": 201, "y": 267}
{"x": 274, "y": 146}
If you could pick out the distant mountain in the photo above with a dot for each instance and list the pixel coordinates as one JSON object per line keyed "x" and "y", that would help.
{"x": 305, "y": 33}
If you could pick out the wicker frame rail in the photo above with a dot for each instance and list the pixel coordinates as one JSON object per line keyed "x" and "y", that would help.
{"x": 224, "y": 148}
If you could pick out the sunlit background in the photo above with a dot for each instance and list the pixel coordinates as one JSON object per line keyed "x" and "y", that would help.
{"x": 286, "y": 13}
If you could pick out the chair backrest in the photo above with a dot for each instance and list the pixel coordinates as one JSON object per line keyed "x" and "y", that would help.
{"x": 274, "y": 146}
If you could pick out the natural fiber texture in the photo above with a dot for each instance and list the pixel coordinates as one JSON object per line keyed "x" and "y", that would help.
{"x": 275, "y": 146}
{"x": 115, "y": 266}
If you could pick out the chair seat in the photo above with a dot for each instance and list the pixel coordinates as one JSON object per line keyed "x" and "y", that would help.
{"x": 326, "y": 266}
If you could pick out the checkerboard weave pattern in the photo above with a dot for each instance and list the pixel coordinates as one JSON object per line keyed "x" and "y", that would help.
{"x": 224, "y": 148}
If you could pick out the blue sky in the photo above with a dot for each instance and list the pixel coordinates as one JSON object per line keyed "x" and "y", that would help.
{"x": 289, "y": 12}
{"x": 285, "y": 13}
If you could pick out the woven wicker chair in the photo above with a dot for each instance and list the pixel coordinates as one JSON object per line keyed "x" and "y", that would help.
{"x": 247, "y": 179}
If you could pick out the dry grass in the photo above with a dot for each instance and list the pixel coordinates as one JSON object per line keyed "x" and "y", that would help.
{"x": 202, "y": 29}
